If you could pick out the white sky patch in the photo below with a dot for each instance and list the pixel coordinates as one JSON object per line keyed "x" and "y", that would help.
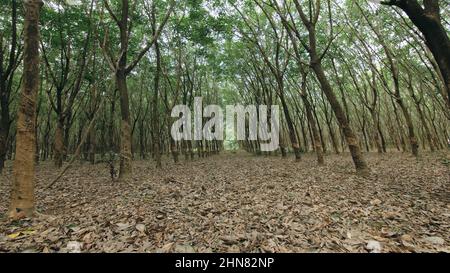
{"x": 73, "y": 2}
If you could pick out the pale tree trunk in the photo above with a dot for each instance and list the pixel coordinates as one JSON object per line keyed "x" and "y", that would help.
{"x": 22, "y": 194}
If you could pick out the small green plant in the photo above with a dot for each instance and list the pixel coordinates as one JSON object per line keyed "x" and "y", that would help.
{"x": 445, "y": 161}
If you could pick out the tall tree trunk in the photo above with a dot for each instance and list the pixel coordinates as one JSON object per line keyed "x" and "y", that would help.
{"x": 316, "y": 64}
{"x": 155, "y": 116}
{"x": 22, "y": 194}
{"x": 126, "y": 167}
{"x": 315, "y": 132}
{"x": 290, "y": 124}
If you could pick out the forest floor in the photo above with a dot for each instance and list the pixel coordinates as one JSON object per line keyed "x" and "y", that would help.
{"x": 240, "y": 203}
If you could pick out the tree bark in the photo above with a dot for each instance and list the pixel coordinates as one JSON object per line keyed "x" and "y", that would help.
{"x": 22, "y": 194}
{"x": 350, "y": 137}
{"x": 126, "y": 169}
{"x": 155, "y": 116}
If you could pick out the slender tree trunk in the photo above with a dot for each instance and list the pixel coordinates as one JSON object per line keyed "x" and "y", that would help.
{"x": 66, "y": 133}
{"x": 126, "y": 168}
{"x": 322, "y": 139}
{"x": 155, "y": 116}
{"x": 92, "y": 142}
{"x": 22, "y": 194}
{"x": 383, "y": 139}
{"x": 411, "y": 134}
{"x": 315, "y": 133}
{"x": 142, "y": 139}
{"x": 334, "y": 141}
{"x": 426, "y": 128}
{"x": 59, "y": 144}
{"x": 5, "y": 122}
{"x": 4, "y": 133}
{"x": 112, "y": 135}
{"x": 303, "y": 126}
{"x": 375, "y": 131}
{"x": 290, "y": 124}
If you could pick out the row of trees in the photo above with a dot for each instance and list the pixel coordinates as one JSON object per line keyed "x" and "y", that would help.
{"x": 347, "y": 75}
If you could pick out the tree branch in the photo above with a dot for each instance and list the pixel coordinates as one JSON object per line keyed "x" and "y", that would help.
{"x": 131, "y": 66}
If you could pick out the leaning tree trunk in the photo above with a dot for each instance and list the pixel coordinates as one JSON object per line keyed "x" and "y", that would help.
{"x": 290, "y": 124}
{"x": 344, "y": 124}
{"x": 22, "y": 194}
{"x": 412, "y": 136}
{"x": 350, "y": 137}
